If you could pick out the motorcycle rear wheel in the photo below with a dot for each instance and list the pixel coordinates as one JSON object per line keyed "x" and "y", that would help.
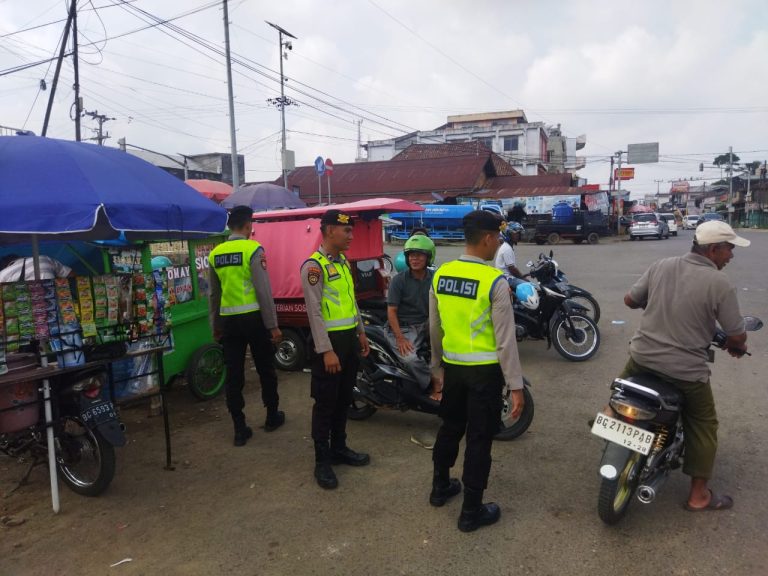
{"x": 512, "y": 429}
{"x": 616, "y": 495}
{"x": 584, "y": 298}
{"x": 359, "y": 409}
{"x": 86, "y": 461}
{"x": 582, "y": 344}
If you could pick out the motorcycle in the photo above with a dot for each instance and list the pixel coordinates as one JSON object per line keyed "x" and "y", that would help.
{"x": 644, "y": 438}
{"x": 547, "y": 273}
{"x": 561, "y": 322}
{"x": 384, "y": 381}
{"x": 86, "y": 428}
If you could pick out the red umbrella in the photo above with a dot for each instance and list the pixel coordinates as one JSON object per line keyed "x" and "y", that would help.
{"x": 639, "y": 209}
{"x": 216, "y": 191}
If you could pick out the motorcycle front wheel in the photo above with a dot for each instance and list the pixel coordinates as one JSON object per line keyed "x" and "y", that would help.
{"x": 511, "y": 429}
{"x": 577, "y": 341}
{"x": 616, "y": 495}
{"x": 85, "y": 459}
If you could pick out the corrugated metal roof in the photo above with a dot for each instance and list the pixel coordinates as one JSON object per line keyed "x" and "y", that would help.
{"x": 537, "y": 181}
{"x": 452, "y": 149}
{"x": 528, "y": 191}
{"x": 414, "y": 180}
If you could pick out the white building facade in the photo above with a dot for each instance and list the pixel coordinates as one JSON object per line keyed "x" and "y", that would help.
{"x": 523, "y": 144}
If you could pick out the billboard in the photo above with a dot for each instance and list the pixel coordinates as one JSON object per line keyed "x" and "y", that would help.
{"x": 623, "y": 173}
{"x": 647, "y": 153}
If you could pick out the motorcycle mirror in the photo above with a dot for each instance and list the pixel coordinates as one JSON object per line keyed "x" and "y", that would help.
{"x": 551, "y": 253}
{"x": 752, "y": 323}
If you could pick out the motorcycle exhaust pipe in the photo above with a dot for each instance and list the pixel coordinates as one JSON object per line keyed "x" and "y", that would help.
{"x": 647, "y": 492}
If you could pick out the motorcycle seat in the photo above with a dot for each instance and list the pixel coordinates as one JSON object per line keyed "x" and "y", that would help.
{"x": 666, "y": 391}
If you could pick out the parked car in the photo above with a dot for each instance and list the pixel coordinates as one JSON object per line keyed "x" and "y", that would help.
{"x": 708, "y": 217}
{"x": 669, "y": 218}
{"x": 689, "y": 222}
{"x": 649, "y": 224}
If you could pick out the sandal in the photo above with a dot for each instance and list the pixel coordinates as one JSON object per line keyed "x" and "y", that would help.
{"x": 716, "y": 502}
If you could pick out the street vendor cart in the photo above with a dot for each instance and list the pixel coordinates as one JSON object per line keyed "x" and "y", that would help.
{"x": 289, "y": 237}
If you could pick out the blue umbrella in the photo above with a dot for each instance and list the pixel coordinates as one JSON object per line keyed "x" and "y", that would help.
{"x": 63, "y": 189}
{"x": 261, "y": 197}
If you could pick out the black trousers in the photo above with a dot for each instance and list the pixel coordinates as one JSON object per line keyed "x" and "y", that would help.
{"x": 333, "y": 392}
{"x": 472, "y": 405}
{"x": 239, "y": 332}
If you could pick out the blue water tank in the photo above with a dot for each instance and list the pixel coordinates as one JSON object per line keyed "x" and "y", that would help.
{"x": 562, "y": 213}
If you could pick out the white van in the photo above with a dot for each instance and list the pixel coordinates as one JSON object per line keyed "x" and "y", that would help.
{"x": 669, "y": 218}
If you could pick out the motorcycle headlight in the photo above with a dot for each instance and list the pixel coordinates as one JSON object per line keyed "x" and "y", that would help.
{"x": 632, "y": 411}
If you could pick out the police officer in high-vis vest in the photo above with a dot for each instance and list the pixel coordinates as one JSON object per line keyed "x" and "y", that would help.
{"x": 474, "y": 353}
{"x": 338, "y": 334}
{"x": 242, "y": 314}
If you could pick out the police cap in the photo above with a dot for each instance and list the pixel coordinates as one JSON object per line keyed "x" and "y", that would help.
{"x": 482, "y": 220}
{"x": 336, "y": 218}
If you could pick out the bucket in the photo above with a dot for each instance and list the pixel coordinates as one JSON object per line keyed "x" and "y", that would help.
{"x": 18, "y": 402}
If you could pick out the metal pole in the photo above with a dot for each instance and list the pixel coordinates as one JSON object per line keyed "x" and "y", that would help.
{"x": 619, "y": 210}
{"x": 58, "y": 68}
{"x": 730, "y": 185}
{"x": 282, "y": 110}
{"x": 76, "y": 63}
{"x": 233, "y": 139}
{"x": 319, "y": 190}
{"x": 328, "y": 174}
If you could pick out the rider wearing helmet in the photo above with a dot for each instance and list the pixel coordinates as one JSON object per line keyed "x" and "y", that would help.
{"x": 408, "y": 306}
{"x": 505, "y": 255}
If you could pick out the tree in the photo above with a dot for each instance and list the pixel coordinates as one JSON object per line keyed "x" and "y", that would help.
{"x": 723, "y": 160}
{"x": 753, "y": 166}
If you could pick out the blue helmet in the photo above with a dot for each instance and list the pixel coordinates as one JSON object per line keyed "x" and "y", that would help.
{"x": 511, "y": 229}
{"x": 526, "y": 294}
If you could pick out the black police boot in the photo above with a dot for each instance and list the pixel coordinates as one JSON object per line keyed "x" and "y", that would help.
{"x": 474, "y": 513}
{"x": 242, "y": 432}
{"x": 342, "y": 454}
{"x": 242, "y": 435}
{"x": 275, "y": 419}
{"x": 324, "y": 474}
{"x": 443, "y": 487}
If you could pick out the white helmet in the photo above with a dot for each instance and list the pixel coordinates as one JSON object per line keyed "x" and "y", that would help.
{"x": 527, "y": 295}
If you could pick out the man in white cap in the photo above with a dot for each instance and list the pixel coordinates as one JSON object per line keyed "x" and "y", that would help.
{"x": 683, "y": 299}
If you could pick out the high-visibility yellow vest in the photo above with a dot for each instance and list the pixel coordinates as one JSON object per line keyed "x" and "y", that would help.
{"x": 231, "y": 260}
{"x": 338, "y": 303}
{"x": 463, "y": 290}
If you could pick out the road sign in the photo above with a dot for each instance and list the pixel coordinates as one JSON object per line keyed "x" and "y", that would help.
{"x": 647, "y": 153}
{"x": 319, "y": 166}
{"x": 329, "y": 166}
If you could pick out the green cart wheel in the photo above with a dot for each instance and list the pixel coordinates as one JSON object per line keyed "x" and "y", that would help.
{"x": 206, "y": 371}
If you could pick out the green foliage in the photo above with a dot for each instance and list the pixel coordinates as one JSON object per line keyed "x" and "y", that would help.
{"x": 722, "y": 159}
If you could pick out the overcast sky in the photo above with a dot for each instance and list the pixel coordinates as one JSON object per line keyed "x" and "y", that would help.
{"x": 688, "y": 74}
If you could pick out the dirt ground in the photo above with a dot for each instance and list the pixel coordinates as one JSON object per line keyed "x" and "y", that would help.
{"x": 256, "y": 510}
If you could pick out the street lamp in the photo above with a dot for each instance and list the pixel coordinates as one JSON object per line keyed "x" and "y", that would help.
{"x": 282, "y": 102}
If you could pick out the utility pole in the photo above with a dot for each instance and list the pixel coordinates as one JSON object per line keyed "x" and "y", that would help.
{"x": 67, "y": 26}
{"x": 359, "y": 141}
{"x": 619, "y": 210}
{"x": 101, "y": 119}
{"x": 282, "y": 102}
{"x": 730, "y": 185}
{"x": 233, "y": 138}
{"x": 76, "y": 63}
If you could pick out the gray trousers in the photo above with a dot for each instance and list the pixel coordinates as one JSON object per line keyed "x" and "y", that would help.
{"x": 418, "y": 335}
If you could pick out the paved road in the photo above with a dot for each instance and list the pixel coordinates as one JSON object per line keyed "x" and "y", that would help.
{"x": 257, "y": 510}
